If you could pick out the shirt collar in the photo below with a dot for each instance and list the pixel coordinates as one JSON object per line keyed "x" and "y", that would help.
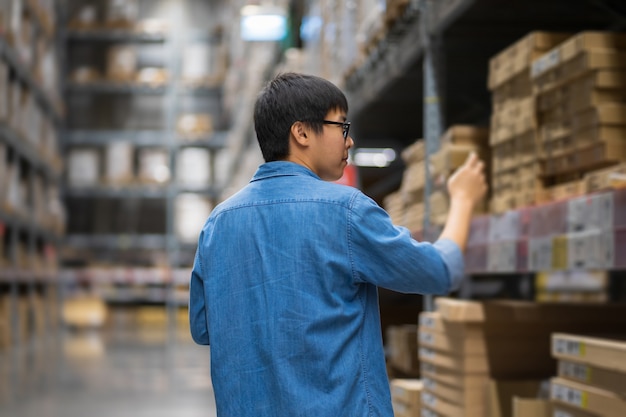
{"x": 281, "y": 169}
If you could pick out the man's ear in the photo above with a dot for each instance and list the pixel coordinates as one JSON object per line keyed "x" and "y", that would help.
{"x": 299, "y": 133}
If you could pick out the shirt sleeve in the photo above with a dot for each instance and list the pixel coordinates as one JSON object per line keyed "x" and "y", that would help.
{"x": 387, "y": 256}
{"x": 453, "y": 258}
{"x": 197, "y": 309}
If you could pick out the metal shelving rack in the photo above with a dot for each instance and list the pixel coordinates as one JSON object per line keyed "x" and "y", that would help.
{"x": 20, "y": 230}
{"x": 417, "y": 76}
{"x": 177, "y": 253}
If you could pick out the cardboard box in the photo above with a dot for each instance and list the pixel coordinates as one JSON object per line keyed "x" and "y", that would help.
{"x": 446, "y": 408}
{"x": 518, "y": 57}
{"x": 121, "y": 63}
{"x": 466, "y": 135}
{"x": 560, "y": 73}
{"x": 587, "y": 398}
{"x": 415, "y": 152}
{"x": 561, "y": 410}
{"x": 401, "y": 345}
{"x": 406, "y": 397}
{"x": 494, "y": 313}
{"x": 449, "y": 158}
{"x": 469, "y": 395}
{"x": 497, "y": 364}
{"x": 453, "y": 378}
{"x": 603, "y": 378}
{"x": 604, "y": 353}
{"x": 500, "y": 395}
{"x": 531, "y": 407}
{"x": 605, "y": 178}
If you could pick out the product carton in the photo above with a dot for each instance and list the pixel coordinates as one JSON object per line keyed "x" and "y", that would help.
{"x": 595, "y": 376}
{"x": 531, "y": 407}
{"x": 602, "y": 352}
{"x": 587, "y": 398}
{"x": 406, "y": 397}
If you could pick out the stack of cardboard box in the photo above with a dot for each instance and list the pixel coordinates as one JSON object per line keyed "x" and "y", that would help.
{"x": 513, "y": 135}
{"x": 406, "y": 206}
{"x": 580, "y": 87}
{"x": 468, "y": 349}
{"x": 591, "y": 379}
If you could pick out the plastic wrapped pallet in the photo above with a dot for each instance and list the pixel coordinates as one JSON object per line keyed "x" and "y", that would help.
{"x": 121, "y": 63}
{"x": 154, "y": 165}
{"x": 193, "y": 167}
{"x": 119, "y": 163}
{"x": 191, "y": 210}
{"x": 83, "y": 167}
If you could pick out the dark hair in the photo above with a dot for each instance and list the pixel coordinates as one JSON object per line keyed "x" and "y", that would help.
{"x": 288, "y": 98}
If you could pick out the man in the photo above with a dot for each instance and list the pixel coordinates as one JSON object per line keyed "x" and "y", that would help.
{"x": 284, "y": 284}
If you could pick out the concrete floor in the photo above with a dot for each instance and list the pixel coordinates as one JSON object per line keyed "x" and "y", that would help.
{"x": 117, "y": 373}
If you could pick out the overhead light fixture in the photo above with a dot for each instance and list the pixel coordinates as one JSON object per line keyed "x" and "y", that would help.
{"x": 263, "y": 23}
{"x": 374, "y": 157}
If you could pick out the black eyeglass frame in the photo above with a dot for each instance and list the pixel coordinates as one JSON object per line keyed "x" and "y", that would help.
{"x": 344, "y": 125}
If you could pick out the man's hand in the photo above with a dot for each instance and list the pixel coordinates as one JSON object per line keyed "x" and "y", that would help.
{"x": 468, "y": 184}
{"x": 466, "y": 188}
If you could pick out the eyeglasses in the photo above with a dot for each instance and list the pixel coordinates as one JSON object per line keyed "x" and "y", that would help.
{"x": 344, "y": 125}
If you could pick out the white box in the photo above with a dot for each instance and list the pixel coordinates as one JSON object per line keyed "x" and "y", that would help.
{"x": 502, "y": 256}
{"x": 591, "y": 249}
{"x": 83, "y": 167}
{"x": 119, "y": 163}
{"x": 192, "y": 212}
{"x": 197, "y": 62}
{"x": 154, "y": 165}
{"x": 505, "y": 226}
{"x": 540, "y": 254}
{"x": 193, "y": 167}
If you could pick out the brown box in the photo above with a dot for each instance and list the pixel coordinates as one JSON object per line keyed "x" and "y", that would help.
{"x": 562, "y": 73}
{"x": 561, "y": 410}
{"x": 415, "y": 152}
{"x": 531, "y": 407}
{"x": 518, "y": 57}
{"x": 470, "y": 395}
{"x": 466, "y": 135}
{"x": 586, "y": 41}
{"x": 448, "y": 409}
{"x": 603, "y": 378}
{"x": 587, "y": 398}
{"x": 604, "y": 353}
{"x": 497, "y": 364}
{"x": 121, "y": 63}
{"x": 603, "y": 114}
{"x": 402, "y": 348}
{"x": 605, "y": 178}
{"x": 500, "y": 395}
{"x": 406, "y": 397}
{"x": 449, "y": 158}
{"x": 452, "y": 377}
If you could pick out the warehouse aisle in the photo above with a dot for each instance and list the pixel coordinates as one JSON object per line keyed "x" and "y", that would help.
{"x": 140, "y": 373}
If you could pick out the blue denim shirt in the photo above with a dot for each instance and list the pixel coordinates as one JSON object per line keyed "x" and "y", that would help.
{"x": 284, "y": 288}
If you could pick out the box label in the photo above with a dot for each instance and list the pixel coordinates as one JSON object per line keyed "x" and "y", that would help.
{"x": 575, "y": 371}
{"x": 429, "y": 399}
{"x": 569, "y": 347}
{"x": 427, "y": 338}
{"x": 569, "y": 395}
